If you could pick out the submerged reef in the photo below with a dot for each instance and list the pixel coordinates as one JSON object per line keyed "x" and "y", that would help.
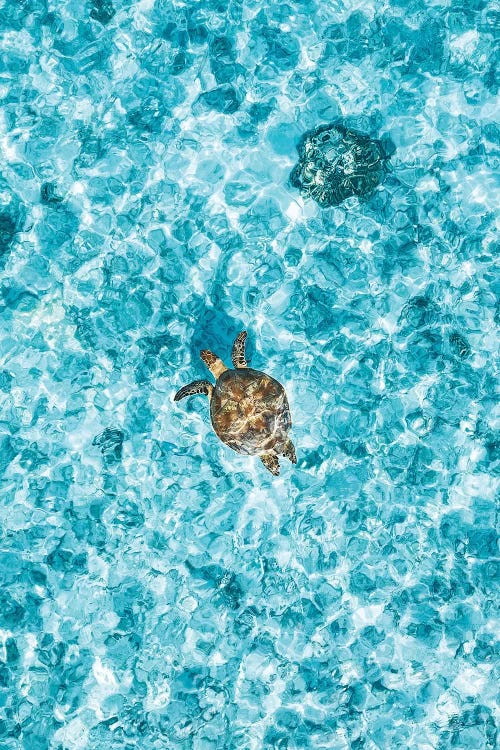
{"x": 336, "y": 163}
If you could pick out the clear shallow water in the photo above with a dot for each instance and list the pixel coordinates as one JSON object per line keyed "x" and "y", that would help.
{"x": 160, "y": 591}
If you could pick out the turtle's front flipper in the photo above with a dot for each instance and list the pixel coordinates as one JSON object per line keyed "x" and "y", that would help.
{"x": 270, "y": 461}
{"x": 289, "y": 451}
{"x": 198, "y": 386}
{"x": 238, "y": 353}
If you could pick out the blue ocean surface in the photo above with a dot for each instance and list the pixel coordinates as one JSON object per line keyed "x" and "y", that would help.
{"x": 158, "y": 590}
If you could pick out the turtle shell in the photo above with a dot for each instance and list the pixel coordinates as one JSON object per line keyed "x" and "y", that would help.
{"x": 249, "y": 411}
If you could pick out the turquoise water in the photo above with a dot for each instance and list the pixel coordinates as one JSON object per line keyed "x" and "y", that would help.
{"x": 159, "y": 590}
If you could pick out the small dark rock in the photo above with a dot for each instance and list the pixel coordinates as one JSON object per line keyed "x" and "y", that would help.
{"x": 181, "y": 62}
{"x": 110, "y": 442}
{"x": 8, "y": 230}
{"x": 102, "y": 11}
{"x": 459, "y": 345}
{"x": 48, "y": 194}
{"x": 6, "y": 379}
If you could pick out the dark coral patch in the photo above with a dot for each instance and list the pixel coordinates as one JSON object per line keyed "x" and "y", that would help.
{"x": 336, "y": 163}
{"x": 102, "y": 11}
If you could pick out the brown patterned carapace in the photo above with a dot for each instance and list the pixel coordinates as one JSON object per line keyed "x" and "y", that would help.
{"x": 249, "y": 409}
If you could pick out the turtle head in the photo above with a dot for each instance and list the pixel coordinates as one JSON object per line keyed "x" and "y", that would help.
{"x": 214, "y": 363}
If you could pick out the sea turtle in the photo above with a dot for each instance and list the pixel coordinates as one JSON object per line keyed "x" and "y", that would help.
{"x": 336, "y": 163}
{"x": 249, "y": 409}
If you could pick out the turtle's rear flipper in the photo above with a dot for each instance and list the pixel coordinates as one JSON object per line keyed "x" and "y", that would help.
{"x": 289, "y": 451}
{"x": 270, "y": 461}
{"x": 198, "y": 386}
{"x": 238, "y": 353}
